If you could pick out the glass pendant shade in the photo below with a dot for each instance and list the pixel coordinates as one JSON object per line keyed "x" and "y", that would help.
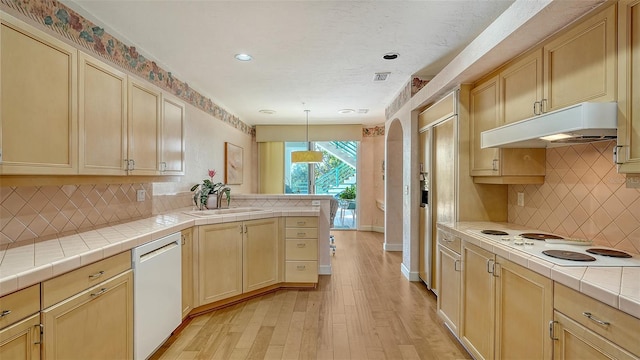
{"x": 306, "y": 156}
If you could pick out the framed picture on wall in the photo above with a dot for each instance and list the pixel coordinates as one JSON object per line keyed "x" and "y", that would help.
{"x": 232, "y": 164}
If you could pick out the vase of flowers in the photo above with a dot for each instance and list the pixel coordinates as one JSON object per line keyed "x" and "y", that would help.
{"x": 208, "y": 194}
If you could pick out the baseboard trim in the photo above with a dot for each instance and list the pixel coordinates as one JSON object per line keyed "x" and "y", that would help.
{"x": 411, "y": 276}
{"x": 392, "y": 247}
{"x": 324, "y": 270}
{"x": 379, "y": 229}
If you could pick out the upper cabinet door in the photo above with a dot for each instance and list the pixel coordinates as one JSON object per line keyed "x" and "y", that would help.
{"x": 521, "y": 88}
{"x": 144, "y": 128}
{"x": 629, "y": 86}
{"x": 484, "y": 115}
{"x": 102, "y": 118}
{"x": 580, "y": 65}
{"x": 172, "y": 146}
{"x": 38, "y": 107}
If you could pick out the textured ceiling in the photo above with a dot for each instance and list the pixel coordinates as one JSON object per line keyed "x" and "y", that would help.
{"x": 321, "y": 53}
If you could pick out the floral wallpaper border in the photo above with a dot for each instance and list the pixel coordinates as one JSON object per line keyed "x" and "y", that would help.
{"x": 405, "y": 94}
{"x": 373, "y": 131}
{"x": 66, "y": 22}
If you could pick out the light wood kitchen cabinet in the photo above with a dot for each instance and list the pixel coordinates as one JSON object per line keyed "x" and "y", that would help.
{"x": 187, "y": 272}
{"x": 301, "y": 249}
{"x": 506, "y": 308}
{"x": 219, "y": 261}
{"x": 449, "y": 278}
{"x": 236, "y": 257}
{"x": 628, "y": 150}
{"x": 172, "y": 137}
{"x": 580, "y": 64}
{"x": 102, "y": 115}
{"x": 499, "y": 166}
{"x": 144, "y": 110}
{"x": 95, "y": 324}
{"x": 39, "y": 102}
{"x": 521, "y": 88}
{"x": 22, "y": 340}
{"x": 20, "y": 324}
{"x": 260, "y": 254}
{"x": 588, "y": 329}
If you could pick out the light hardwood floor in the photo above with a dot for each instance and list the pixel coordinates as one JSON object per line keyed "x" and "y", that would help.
{"x": 365, "y": 310}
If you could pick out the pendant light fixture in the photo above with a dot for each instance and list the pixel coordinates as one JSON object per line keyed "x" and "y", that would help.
{"x": 307, "y": 156}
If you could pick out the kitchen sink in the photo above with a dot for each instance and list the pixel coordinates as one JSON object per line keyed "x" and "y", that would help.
{"x": 214, "y": 212}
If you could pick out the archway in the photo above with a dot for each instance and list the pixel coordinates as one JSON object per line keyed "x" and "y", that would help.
{"x": 393, "y": 188}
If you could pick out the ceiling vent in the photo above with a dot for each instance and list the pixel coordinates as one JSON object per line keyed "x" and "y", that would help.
{"x": 382, "y": 76}
{"x": 363, "y": 111}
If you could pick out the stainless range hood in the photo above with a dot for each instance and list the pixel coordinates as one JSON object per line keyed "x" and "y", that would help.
{"x": 584, "y": 122}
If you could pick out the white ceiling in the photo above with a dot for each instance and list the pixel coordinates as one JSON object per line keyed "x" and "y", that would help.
{"x": 321, "y": 53}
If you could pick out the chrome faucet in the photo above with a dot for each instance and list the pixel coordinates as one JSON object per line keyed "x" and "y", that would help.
{"x": 225, "y": 190}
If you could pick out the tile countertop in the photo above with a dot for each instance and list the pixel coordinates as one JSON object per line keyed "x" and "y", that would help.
{"x": 618, "y": 287}
{"x": 30, "y": 262}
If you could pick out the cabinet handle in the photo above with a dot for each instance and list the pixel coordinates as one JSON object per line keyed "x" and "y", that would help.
{"x": 496, "y": 270}
{"x": 616, "y": 155}
{"x": 301, "y": 222}
{"x": 455, "y": 265}
{"x": 596, "y": 320}
{"x": 163, "y": 166}
{"x": 246, "y": 229}
{"x": 301, "y": 267}
{"x": 551, "y": 330}
{"x": 5, "y": 313}
{"x": 183, "y": 240}
{"x": 543, "y": 106}
{"x": 132, "y": 164}
{"x": 302, "y": 234}
{"x": 490, "y": 266}
{"x": 494, "y": 165}
{"x": 102, "y": 291}
{"x": 241, "y": 229}
{"x": 301, "y": 245}
{"x": 96, "y": 275}
{"x": 40, "y": 328}
{"x": 535, "y": 107}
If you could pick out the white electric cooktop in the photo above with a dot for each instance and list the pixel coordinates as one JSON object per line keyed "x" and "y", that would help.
{"x": 536, "y": 248}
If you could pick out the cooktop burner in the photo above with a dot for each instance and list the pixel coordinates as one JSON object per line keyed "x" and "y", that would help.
{"x": 609, "y": 252}
{"x": 540, "y": 236}
{"x": 568, "y": 255}
{"x": 494, "y": 232}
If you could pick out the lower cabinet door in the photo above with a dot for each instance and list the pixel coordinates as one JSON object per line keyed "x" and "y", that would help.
{"x": 94, "y": 324}
{"x": 449, "y": 278}
{"x": 22, "y": 340}
{"x": 260, "y": 254}
{"x": 219, "y": 262}
{"x": 574, "y": 341}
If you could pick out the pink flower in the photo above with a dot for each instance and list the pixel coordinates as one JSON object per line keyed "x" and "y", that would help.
{"x": 212, "y": 173}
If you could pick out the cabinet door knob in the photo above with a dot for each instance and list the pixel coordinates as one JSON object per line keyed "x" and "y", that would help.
{"x": 535, "y": 108}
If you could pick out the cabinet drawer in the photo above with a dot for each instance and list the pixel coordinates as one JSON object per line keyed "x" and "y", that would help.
{"x": 301, "y": 233}
{"x": 71, "y": 283}
{"x": 449, "y": 241}
{"x": 301, "y": 271}
{"x": 301, "y": 249}
{"x": 19, "y": 305}
{"x": 302, "y": 221}
{"x": 622, "y": 328}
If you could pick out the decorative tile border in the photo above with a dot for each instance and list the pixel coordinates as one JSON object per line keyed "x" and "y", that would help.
{"x": 405, "y": 94}
{"x": 62, "y": 20}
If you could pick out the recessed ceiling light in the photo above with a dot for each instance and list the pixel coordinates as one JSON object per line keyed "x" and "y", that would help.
{"x": 346, "y": 111}
{"x": 390, "y": 56}
{"x": 243, "y": 57}
{"x": 267, "y": 111}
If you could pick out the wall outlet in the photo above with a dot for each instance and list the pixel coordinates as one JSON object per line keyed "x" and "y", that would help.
{"x": 520, "y": 199}
{"x": 140, "y": 195}
{"x": 315, "y": 202}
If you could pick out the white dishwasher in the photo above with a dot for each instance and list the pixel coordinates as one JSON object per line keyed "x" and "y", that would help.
{"x": 157, "y": 293}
